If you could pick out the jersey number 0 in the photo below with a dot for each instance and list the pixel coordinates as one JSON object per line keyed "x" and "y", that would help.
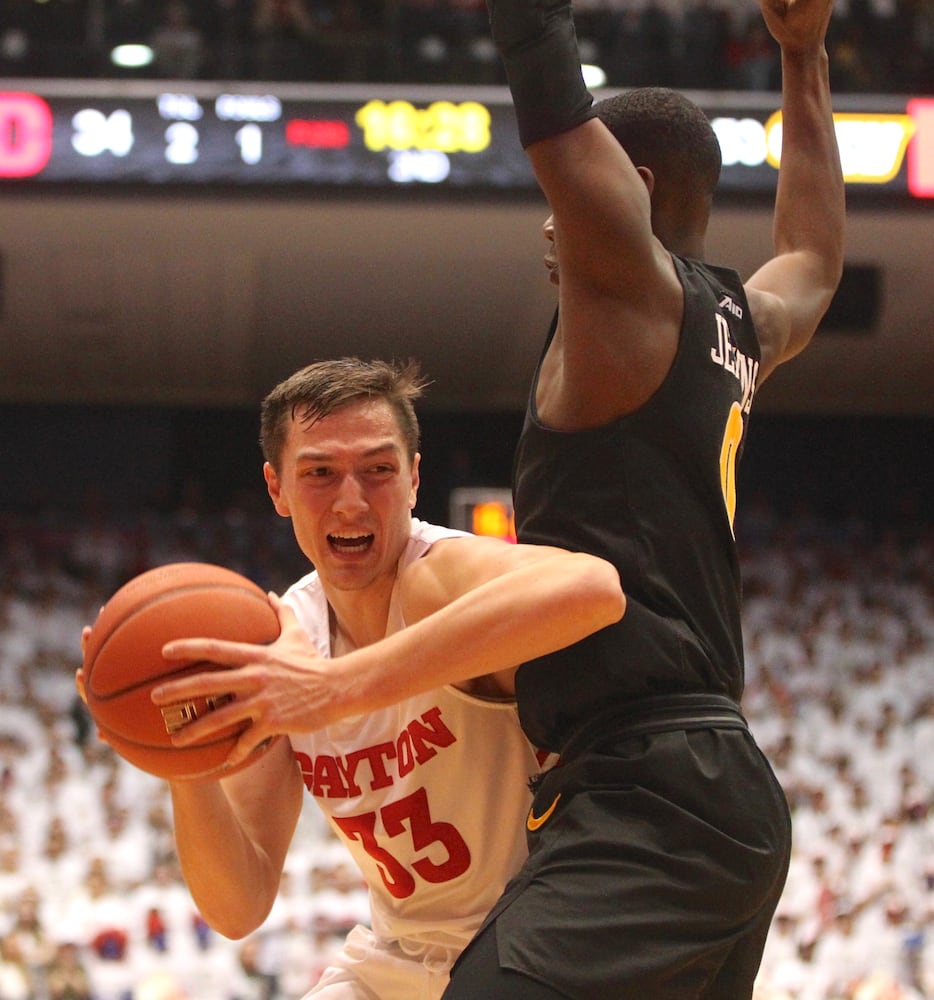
{"x": 732, "y": 436}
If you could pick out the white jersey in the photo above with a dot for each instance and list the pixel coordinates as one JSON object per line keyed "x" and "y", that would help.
{"x": 430, "y": 795}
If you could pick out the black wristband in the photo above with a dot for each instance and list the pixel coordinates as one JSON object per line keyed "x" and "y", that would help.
{"x": 538, "y": 45}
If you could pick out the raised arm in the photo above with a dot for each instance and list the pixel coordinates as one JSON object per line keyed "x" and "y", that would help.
{"x": 619, "y": 300}
{"x": 791, "y": 292}
{"x": 600, "y": 203}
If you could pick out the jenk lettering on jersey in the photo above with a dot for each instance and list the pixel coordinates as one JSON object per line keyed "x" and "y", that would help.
{"x": 731, "y": 359}
{"x": 377, "y": 766}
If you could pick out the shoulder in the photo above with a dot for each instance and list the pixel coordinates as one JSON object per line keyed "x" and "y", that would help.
{"x": 453, "y": 564}
{"x": 456, "y": 565}
{"x": 428, "y": 557}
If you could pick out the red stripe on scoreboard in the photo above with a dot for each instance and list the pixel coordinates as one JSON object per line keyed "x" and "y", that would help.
{"x": 921, "y": 148}
{"x": 25, "y": 134}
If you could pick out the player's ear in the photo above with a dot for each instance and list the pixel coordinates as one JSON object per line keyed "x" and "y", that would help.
{"x": 648, "y": 178}
{"x": 413, "y": 494}
{"x": 275, "y": 490}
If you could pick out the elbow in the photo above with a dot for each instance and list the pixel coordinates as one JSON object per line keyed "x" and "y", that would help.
{"x": 834, "y": 272}
{"x": 232, "y": 909}
{"x": 823, "y": 264}
{"x": 607, "y": 599}
{"x": 617, "y": 605}
{"x": 833, "y": 275}
{"x": 231, "y": 924}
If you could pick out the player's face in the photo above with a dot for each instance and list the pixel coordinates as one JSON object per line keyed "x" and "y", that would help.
{"x": 551, "y": 254}
{"x": 348, "y": 485}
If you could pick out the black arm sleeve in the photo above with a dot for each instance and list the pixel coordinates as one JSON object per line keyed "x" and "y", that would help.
{"x": 538, "y": 45}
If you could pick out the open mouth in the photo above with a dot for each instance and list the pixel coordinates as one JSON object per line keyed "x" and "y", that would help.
{"x": 350, "y": 543}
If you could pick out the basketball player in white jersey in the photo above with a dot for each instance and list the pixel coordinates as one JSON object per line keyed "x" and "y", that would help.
{"x": 426, "y": 783}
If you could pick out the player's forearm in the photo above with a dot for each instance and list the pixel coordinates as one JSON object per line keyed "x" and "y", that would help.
{"x": 223, "y": 875}
{"x": 232, "y": 874}
{"x": 810, "y": 204}
{"x": 502, "y": 624}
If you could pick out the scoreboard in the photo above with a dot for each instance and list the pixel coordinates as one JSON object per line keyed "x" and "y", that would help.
{"x": 317, "y": 136}
{"x": 483, "y": 510}
{"x": 268, "y": 138}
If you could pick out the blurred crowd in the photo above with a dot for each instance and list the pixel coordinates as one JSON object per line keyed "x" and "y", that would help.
{"x": 92, "y": 905}
{"x": 839, "y": 620}
{"x": 839, "y": 632}
{"x": 879, "y": 46}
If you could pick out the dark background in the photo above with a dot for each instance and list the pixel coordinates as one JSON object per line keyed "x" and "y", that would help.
{"x": 877, "y": 467}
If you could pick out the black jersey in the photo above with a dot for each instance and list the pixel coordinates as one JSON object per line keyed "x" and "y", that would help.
{"x": 653, "y": 493}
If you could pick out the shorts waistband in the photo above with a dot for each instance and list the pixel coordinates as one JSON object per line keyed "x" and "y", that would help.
{"x": 653, "y": 715}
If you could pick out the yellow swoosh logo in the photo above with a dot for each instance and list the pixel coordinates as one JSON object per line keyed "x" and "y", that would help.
{"x": 534, "y": 822}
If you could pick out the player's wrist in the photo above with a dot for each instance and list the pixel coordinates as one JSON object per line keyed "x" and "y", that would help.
{"x": 808, "y": 56}
{"x": 537, "y": 42}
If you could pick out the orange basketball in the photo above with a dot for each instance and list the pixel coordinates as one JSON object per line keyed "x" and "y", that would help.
{"x": 123, "y": 662}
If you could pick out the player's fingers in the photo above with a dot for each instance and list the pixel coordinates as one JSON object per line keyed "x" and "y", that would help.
{"x": 284, "y": 611}
{"x": 248, "y": 743}
{"x": 207, "y": 684}
{"x": 213, "y": 716}
{"x": 288, "y": 622}
{"x": 83, "y": 692}
{"x": 292, "y": 634}
{"x": 228, "y": 654}
{"x": 80, "y": 685}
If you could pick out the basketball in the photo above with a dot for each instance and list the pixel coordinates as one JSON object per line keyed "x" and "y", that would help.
{"x": 123, "y": 662}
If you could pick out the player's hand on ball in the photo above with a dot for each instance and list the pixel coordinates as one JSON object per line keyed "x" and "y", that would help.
{"x": 122, "y": 662}
{"x": 284, "y": 687}
{"x": 80, "y": 683}
{"x": 79, "y": 673}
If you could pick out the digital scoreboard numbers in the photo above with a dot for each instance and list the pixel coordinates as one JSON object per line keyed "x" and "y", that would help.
{"x": 258, "y": 139}
{"x": 98, "y": 134}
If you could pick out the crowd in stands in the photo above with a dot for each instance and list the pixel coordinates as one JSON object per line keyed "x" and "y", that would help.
{"x": 839, "y": 620}
{"x": 879, "y": 46}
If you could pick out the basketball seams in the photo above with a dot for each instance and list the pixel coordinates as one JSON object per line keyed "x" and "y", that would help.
{"x": 132, "y": 614}
{"x": 183, "y": 670}
{"x": 122, "y": 615}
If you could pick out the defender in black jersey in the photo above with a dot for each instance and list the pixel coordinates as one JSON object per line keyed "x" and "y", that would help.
{"x": 660, "y": 845}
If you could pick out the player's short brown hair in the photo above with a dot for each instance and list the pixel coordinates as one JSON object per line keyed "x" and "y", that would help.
{"x": 324, "y": 386}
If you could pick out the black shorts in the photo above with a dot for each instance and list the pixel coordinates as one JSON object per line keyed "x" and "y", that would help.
{"x": 655, "y": 868}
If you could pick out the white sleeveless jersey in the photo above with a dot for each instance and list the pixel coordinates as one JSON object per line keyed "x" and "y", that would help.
{"x": 430, "y": 795}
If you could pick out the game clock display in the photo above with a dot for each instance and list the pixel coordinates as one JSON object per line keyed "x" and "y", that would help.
{"x": 258, "y": 138}
{"x": 316, "y": 136}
